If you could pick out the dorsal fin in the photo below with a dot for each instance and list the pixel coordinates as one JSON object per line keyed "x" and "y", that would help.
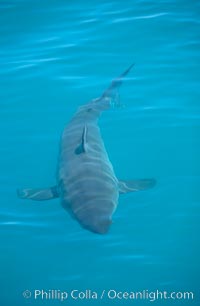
{"x": 82, "y": 148}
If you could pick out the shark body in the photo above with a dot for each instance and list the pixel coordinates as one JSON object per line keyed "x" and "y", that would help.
{"x": 86, "y": 182}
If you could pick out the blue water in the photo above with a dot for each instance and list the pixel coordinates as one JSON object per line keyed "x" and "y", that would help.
{"x": 55, "y": 56}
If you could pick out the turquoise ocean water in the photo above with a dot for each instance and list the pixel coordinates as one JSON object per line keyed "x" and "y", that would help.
{"x": 55, "y": 56}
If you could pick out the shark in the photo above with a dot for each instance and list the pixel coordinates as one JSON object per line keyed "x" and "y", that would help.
{"x": 86, "y": 182}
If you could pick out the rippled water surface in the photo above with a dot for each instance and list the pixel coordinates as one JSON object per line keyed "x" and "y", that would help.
{"x": 57, "y": 55}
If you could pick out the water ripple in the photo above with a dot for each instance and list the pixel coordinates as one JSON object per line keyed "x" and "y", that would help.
{"x": 125, "y": 19}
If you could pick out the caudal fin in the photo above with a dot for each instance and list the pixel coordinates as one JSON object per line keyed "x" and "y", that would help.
{"x": 112, "y": 91}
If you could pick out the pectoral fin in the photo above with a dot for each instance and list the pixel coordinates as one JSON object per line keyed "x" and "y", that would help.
{"x": 82, "y": 148}
{"x": 135, "y": 185}
{"x": 38, "y": 194}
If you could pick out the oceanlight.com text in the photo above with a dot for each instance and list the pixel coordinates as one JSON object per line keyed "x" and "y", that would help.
{"x": 111, "y": 294}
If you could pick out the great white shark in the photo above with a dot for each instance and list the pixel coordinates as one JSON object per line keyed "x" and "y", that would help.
{"x": 86, "y": 182}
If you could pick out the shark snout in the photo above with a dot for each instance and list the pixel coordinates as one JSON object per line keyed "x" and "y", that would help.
{"x": 97, "y": 225}
{"x": 102, "y": 227}
{"x": 95, "y": 216}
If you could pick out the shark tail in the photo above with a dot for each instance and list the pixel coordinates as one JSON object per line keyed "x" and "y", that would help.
{"x": 111, "y": 92}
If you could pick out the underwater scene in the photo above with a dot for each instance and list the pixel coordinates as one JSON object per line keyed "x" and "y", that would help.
{"x": 135, "y": 65}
